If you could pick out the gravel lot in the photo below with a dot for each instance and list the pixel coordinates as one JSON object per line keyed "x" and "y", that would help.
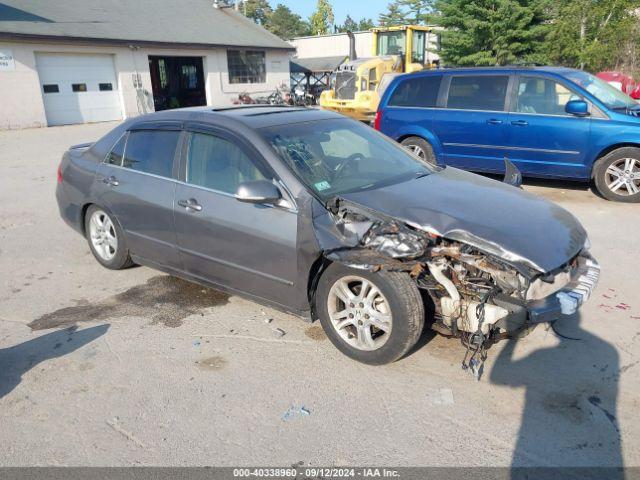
{"x": 157, "y": 371}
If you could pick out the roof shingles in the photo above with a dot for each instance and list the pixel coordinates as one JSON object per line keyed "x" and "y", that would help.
{"x": 187, "y": 22}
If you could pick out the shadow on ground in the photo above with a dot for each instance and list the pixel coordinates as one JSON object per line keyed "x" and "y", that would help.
{"x": 17, "y": 360}
{"x": 571, "y": 389}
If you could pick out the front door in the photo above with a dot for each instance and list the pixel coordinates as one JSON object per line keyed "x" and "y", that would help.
{"x": 544, "y": 139}
{"x": 473, "y": 125}
{"x": 246, "y": 247}
{"x": 135, "y": 182}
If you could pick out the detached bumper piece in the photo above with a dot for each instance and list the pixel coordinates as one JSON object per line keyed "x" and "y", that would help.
{"x": 571, "y": 297}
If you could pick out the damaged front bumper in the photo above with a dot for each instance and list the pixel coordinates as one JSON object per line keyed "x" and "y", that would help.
{"x": 583, "y": 281}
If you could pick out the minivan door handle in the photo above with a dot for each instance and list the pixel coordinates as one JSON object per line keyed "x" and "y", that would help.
{"x": 520, "y": 123}
{"x": 191, "y": 204}
{"x": 494, "y": 121}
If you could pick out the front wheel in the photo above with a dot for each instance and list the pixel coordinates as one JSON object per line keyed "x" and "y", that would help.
{"x": 617, "y": 175}
{"x": 374, "y": 318}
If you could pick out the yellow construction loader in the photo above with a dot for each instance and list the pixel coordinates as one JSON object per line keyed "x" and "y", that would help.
{"x": 358, "y": 82}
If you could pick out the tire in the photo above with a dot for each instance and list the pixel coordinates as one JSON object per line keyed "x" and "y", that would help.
{"x": 391, "y": 299}
{"x": 617, "y": 175}
{"x": 421, "y": 148}
{"x": 106, "y": 239}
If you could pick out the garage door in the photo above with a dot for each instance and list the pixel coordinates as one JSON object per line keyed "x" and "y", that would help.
{"x": 78, "y": 88}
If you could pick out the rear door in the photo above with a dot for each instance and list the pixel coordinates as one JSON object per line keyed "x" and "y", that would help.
{"x": 472, "y": 127}
{"x": 136, "y": 183}
{"x": 544, "y": 139}
{"x": 246, "y": 247}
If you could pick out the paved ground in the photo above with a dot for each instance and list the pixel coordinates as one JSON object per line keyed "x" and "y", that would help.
{"x": 161, "y": 372}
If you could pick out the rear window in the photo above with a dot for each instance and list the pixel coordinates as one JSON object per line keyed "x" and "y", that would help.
{"x": 416, "y": 92}
{"x": 487, "y": 92}
{"x": 151, "y": 151}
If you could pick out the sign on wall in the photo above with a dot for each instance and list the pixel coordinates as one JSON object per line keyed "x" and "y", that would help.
{"x": 7, "y": 62}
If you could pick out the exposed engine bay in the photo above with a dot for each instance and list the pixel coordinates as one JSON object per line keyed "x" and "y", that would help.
{"x": 477, "y": 296}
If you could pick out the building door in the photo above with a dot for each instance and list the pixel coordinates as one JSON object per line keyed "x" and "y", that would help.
{"x": 177, "y": 82}
{"x": 78, "y": 88}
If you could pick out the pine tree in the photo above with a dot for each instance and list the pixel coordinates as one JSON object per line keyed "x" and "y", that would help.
{"x": 493, "y": 32}
{"x": 349, "y": 25}
{"x": 322, "y": 19}
{"x": 393, "y": 16}
{"x": 418, "y": 11}
{"x": 256, "y": 10}
{"x": 286, "y": 24}
{"x": 365, "y": 24}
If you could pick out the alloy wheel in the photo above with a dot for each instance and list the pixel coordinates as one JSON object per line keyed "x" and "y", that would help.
{"x": 103, "y": 235}
{"x": 623, "y": 176}
{"x": 359, "y": 313}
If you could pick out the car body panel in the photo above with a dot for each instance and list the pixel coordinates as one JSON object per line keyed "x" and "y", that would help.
{"x": 485, "y": 213}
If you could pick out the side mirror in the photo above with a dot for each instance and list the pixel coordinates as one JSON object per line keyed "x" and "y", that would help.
{"x": 258, "y": 191}
{"x": 579, "y": 108}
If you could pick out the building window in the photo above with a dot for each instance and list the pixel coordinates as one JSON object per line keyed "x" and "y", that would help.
{"x": 79, "y": 87}
{"x": 246, "y": 66}
{"x": 51, "y": 88}
{"x": 105, "y": 87}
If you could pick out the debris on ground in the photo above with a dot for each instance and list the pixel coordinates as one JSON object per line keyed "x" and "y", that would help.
{"x": 268, "y": 320}
{"x": 279, "y": 333}
{"x": 623, "y": 306}
{"x": 294, "y": 411}
{"x": 196, "y": 343}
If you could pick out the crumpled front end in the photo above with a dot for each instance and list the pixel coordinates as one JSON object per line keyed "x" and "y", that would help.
{"x": 478, "y": 295}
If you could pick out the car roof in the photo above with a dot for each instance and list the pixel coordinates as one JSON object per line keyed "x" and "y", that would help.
{"x": 252, "y": 116}
{"x": 504, "y": 69}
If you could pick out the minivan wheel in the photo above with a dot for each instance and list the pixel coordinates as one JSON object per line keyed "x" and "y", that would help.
{"x": 617, "y": 175}
{"x": 106, "y": 239}
{"x": 421, "y": 148}
{"x": 374, "y": 318}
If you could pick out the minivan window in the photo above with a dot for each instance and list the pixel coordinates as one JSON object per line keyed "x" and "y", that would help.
{"x": 542, "y": 96}
{"x": 114, "y": 157}
{"x": 340, "y": 156}
{"x": 482, "y": 92}
{"x": 610, "y": 96}
{"x": 218, "y": 164}
{"x": 151, "y": 151}
{"x": 416, "y": 92}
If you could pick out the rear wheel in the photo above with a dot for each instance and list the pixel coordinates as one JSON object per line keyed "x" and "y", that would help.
{"x": 617, "y": 175}
{"x": 421, "y": 148}
{"x": 106, "y": 239}
{"x": 374, "y": 318}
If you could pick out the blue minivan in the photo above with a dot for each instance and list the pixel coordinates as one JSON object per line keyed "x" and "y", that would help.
{"x": 549, "y": 121}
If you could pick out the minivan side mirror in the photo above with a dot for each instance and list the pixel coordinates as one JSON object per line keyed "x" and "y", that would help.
{"x": 579, "y": 108}
{"x": 258, "y": 191}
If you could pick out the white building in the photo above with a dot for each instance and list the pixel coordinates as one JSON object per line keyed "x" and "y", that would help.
{"x": 77, "y": 61}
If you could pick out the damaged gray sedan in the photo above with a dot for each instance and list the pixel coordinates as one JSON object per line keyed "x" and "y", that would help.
{"x": 321, "y": 216}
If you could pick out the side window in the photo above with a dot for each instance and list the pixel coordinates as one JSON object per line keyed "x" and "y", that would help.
{"x": 114, "y": 157}
{"x": 542, "y": 96}
{"x": 487, "y": 92}
{"x": 151, "y": 151}
{"x": 216, "y": 163}
{"x": 417, "y": 92}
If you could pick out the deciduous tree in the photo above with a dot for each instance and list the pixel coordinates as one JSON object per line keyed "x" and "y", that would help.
{"x": 322, "y": 19}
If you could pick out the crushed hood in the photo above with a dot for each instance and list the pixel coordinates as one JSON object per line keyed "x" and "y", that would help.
{"x": 494, "y": 217}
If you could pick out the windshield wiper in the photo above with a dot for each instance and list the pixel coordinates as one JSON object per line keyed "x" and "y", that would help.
{"x": 422, "y": 174}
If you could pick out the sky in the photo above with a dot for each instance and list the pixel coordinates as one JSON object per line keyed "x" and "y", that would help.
{"x": 341, "y": 8}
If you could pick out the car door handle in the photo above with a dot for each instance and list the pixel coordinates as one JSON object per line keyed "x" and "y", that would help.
{"x": 494, "y": 121}
{"x": 191, "y": 204}
{"x": 113, "y": 181}
{"x": 520, "y": 123}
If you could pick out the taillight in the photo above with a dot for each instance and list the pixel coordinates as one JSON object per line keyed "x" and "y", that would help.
{"x": 60, "y": 173}
{"x": 377, "y": 120}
